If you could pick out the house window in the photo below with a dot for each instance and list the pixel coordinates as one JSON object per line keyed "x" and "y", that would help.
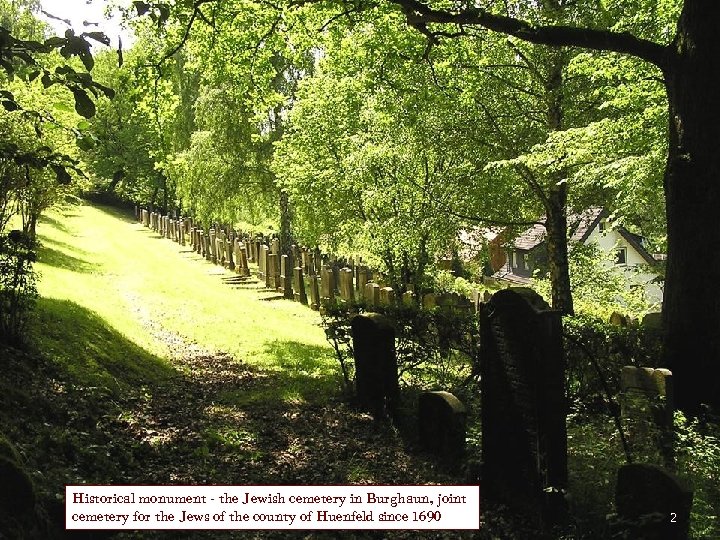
{"x": 621, "y": 256}
{"x": 524, "y": 261}
{"x": 514, "y": 259}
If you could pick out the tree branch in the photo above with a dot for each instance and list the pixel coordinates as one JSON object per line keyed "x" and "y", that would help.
{"x": 419, "y": 15}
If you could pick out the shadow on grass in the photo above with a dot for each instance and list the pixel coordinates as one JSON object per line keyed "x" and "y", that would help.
{"x": 55, "y": 223}
{"x": 122, "y": 214}
{"x": 90, "y": 350}
{"x": 60, "y": 259}
{"x": 301, "y": 373}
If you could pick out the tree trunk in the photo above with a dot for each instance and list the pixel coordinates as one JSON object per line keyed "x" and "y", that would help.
{"x": 557, "y": 248}
{"x": 556, "y": 198}
{"x": 692, "y": 189}
{"x": 286, "y": 239}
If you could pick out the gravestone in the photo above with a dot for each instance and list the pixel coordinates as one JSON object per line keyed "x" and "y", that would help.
{"x": 372, "y": 294}
{"x": 442, "y": 425}
{"x": 206, "y": 247}
{"x": 220, "y": 248}
{"x": 652, "y": 504}
{"x": 327, "y": 285}
{"x": 618, "y": 319}
{"x": 272, "y": 272}
{"x": 652, "y": 321}
{"x": 376, "y": 372}
{"x": 523, "y": 405}
{"x": 387, "y": 296}
{"x": 305, "y": 257}
{"x": 315, "y": 292}
{"x": 361, "y": 280}
{"x": 646, "y": 408}
{"x": 408, "y": 298}
{"x": 213, "y": 246}
{"x": 347, "y": 290}
{"x": 286, "y": 277}
{"x": 229, "y": 258}
{"x": 244, "y": 256}
{"x": 261, "y": 261}
{"x": 429, "y": 301}
{"x": 299, "y": 286}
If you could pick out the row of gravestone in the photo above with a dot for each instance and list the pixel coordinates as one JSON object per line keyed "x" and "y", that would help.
{"x": 524, "y": 439}
{"x": 305, "y": 275}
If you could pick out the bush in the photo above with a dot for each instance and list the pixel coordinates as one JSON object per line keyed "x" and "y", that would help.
{"x": 596, "y": 351}
{"x": 435, "y": 348}
{"x": 17, "y": 285}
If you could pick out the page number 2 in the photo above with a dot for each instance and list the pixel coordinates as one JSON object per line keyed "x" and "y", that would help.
{"x": 673, "y": 517}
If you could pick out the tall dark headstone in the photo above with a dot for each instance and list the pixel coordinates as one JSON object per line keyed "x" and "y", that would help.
{"x": 376, "y": 371}
{"x": 523, "y": 405}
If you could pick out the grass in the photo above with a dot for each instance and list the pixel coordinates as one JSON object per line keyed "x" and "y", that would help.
{"x": 107, "y": 277}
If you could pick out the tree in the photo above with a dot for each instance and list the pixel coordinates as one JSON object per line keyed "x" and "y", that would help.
{"x": 688, "y": 64}
{"x": 688, "y": 60}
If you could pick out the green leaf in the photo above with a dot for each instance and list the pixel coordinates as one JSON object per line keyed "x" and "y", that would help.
{"x": 100, "y": 37}
{"x": 63, "y": 177}
{"x": 142, "y": 8}
{"x": 83, "y": 104}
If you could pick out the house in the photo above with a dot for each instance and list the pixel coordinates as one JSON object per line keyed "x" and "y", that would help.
{"x": 629, "y": 254}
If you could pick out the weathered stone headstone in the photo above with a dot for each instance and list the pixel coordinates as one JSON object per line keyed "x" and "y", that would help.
{"x": 387, "y": 296}
{"x": 523, "y": 404}
{"x": 442, "y": 429}
{"x": 206, "y": 247}
{"x": 327, "y": 284}
{"x": 299, "y": 286}
{"x": 305, "y": 260}
{"x": 315, "y": 292}
{"x": 286, "y": 277}
{"x": 272, "y": 273}
{"x": 652, "y": 321}
{"x": 408, "y": 298}
{"x": 347, "y": 289}
{"x": 372, "y": 294}
{"x": 376, "y": 377}
{"x": 361, "y": 280}
{"x": 646, "y": 405}
{"x": 220, "y": 247}
{"x": 429, "y": 301}
{"x": 618, "y": 319}
{"x": 652, "y": 504}
{"x": 213, "y": 246}
{"x": 262, "y": 261}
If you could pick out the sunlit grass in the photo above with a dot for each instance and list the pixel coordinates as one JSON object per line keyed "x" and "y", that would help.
{"x": 97, "y": 263}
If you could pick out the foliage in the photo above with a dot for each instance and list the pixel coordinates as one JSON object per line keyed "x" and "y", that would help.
{"x": 595, "y": 353}
{"x": 698, "y": 459}
{"x": 598, "y": 287}
{"x": 17, "y": 285}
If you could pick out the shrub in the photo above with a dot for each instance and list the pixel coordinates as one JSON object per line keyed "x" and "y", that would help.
{"x": 596, "y": 351}
{"x": 435, "y": 347}
{"x": 17, "y": 285}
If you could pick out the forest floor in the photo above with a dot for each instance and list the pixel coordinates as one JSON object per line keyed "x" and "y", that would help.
{"x": 152, "y": 366}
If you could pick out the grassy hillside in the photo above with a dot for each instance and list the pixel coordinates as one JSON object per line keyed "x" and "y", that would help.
{"x": 105, "y": 276}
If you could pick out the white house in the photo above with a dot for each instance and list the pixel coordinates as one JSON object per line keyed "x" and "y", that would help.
{"x": 629, "y": 254}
